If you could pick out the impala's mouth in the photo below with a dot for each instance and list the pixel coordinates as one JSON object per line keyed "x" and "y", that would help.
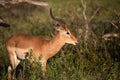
{"x": 75, "y": 43}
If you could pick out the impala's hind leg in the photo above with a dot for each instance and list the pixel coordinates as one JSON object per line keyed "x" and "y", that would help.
{"x": 14, "y": 63}
{"x": 9, "y": 72}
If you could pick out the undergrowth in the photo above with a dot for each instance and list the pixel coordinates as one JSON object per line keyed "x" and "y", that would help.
{"x": 95, "y": 59}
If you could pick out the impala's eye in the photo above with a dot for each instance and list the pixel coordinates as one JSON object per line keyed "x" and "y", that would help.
{"x": 68, "y": 33}
{"x": 57, "y": 24}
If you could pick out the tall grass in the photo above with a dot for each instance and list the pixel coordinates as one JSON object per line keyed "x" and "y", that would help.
{"x": 99, "y": 60}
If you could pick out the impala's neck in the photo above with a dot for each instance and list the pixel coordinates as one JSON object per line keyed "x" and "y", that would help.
{"x": 55, "y": 44}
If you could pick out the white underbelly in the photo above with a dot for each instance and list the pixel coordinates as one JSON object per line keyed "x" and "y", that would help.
{"x": 22, "y": 53}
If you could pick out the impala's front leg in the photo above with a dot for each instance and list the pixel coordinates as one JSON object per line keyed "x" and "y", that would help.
{"x": 43, "y": 64}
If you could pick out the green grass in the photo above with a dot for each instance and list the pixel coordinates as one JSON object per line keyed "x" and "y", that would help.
{"x": 99, "y": 60}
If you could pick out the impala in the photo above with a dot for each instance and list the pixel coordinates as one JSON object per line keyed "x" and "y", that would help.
{"x": 19, "y": 45}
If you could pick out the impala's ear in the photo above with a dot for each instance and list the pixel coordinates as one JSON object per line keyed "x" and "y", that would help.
{"x": 59, "y": 28}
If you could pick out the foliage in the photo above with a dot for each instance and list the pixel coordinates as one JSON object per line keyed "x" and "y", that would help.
{"x": 99, "y": 60}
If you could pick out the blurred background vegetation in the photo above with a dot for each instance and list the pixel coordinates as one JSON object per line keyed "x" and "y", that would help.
{"x": 94, "y": 58}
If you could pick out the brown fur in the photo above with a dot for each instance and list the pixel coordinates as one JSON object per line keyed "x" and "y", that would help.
{"x": 20, "y": 44}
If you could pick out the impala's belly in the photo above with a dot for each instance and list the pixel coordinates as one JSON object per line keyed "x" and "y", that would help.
{"x": 27, "y": 53}
{"x": 22, "y": 53}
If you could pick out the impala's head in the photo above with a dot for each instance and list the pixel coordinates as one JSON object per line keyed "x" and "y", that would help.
{"x": 63, "y": 30}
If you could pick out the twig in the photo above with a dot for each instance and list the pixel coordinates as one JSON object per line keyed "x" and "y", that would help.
{"x": 109, "y": 35}
{"x": 84, "y": 10}
{"x": 44, "y": 4}
{"x": 31, "y": 2}
{"x": 113, "y": 23}
{"x": 95, "y": 12}
{"x": 38, "y": 3}
{"x": 85, "y": 19}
